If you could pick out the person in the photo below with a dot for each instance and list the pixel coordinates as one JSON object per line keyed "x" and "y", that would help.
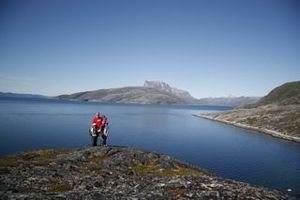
{"x": 98, "y": 125}
{"x": 104, "y": 129}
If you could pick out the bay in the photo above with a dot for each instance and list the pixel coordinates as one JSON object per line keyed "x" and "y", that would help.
{"x": 228, "y": 151}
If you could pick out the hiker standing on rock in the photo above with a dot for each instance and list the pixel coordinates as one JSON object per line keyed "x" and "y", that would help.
{"x": 99, "y": 127}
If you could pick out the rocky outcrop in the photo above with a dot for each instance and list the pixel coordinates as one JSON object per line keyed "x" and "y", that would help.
{"x": 114, "y": 173}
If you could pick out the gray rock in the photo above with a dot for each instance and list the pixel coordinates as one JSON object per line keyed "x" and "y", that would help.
{"x": 116, "y": 173}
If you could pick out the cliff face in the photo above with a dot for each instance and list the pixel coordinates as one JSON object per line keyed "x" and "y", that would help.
{"x": 278, "y": 113}
{"x": 160, "y": 85}
{"x": 114, "y": 173}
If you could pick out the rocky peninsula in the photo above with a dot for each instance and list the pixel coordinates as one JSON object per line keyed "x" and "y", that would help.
{"x": 115, "y": 173}
{"x": 277, "y": 114}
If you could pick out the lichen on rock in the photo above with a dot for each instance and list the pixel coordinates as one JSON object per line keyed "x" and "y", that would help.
{"x": 114, "y": 173}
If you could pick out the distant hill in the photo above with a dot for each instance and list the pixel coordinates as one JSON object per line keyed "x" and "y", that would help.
{"x": 19, "y": 95}
{"x": 228, "y": 101}
{"x": 278, "y": 113}
{"x": 150, "y": 93}
{"x": 286, "y": 94}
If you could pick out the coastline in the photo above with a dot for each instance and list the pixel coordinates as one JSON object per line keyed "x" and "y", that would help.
{"x": 262, "y": 130}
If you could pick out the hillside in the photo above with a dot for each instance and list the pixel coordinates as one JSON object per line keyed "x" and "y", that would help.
{"x": 115, "y": 173}
{"x": 278, "y": 113}
{"x": 154, "y": 92}
{"x": 228, "y": 101}
{"x": 143, "y": 95}
{"x": 286, "y": 94}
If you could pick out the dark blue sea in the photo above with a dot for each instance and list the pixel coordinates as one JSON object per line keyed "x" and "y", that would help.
{"x": 225, "y": 150}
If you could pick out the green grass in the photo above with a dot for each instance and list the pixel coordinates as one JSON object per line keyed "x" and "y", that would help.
{"x": 251, "y": 120}
{"x": 152, "y": 169}
{"x": 176, "y": 191}
{"x": 36, "y": 157}
{"x": 59, "y": 187}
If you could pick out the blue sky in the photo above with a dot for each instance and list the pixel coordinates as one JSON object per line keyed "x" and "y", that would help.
{"x": 208, "y": 47}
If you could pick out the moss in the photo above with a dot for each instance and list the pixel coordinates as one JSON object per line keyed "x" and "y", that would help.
{"x": 93, "y": 163}
{"x": 28, "y": 190}
{"x": 37, "y": 157}
{"x": 9, "y": 161}
{"x": 96, "y": 159}
{"x": 251, "y": 120}
{"x": 39, "y": 162}
{"x": 153, "y": 169}
{"x": 176, "y": 191}
{"x": 59, "y": 187}
{"x": 46, "y": 154}
{"x": 4, "y": 170}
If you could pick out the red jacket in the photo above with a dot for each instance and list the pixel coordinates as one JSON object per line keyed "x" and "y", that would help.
{"x": 98, "y": 122}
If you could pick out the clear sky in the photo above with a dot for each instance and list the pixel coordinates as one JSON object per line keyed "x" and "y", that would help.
{"x": 208, "y": 47}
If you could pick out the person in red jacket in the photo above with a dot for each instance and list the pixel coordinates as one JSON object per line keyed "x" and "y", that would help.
{"x": 98, "y": 124}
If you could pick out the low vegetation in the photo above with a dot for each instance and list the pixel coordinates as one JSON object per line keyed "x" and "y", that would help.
{"x": 114, "y": 173}
{"x": 278, "y": 111}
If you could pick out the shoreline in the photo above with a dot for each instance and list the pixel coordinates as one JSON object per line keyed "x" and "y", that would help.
{"x": 262, "y": 130}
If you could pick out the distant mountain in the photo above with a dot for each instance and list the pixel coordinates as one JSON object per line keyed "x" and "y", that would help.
{"x": 19, "y": 95}
{"x": 160, "y": 85}
{"x": 154, "y": 92}
{"x": 228, "y": 101}
{"x": 139, "y": 94}
{"x": 278, "y": 113}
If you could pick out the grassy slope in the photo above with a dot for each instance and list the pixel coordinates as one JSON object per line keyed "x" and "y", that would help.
{"x": 278, "y": 111}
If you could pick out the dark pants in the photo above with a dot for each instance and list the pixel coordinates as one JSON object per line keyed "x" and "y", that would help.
{"x": 104, "y": 137}
{"x": 95, "y": 139}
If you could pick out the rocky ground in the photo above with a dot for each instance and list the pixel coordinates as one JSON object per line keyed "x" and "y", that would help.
{"x": 115, "y": 173}
{"x": 278, "y": 120}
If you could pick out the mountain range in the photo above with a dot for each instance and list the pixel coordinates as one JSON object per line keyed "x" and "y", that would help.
{"x": 153, "y": 92}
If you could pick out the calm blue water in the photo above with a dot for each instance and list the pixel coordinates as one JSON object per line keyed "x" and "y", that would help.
{"x": 225, "y": 150}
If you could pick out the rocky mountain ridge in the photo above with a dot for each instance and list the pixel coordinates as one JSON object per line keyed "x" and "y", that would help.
{"x": 167, "y": 88}
{"x": 154, "y": 92}
{"x": 115, "y": 173}
{"x": 141, "y": 95}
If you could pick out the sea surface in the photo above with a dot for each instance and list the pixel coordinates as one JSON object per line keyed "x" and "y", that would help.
{"x": 225, "y": 150}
